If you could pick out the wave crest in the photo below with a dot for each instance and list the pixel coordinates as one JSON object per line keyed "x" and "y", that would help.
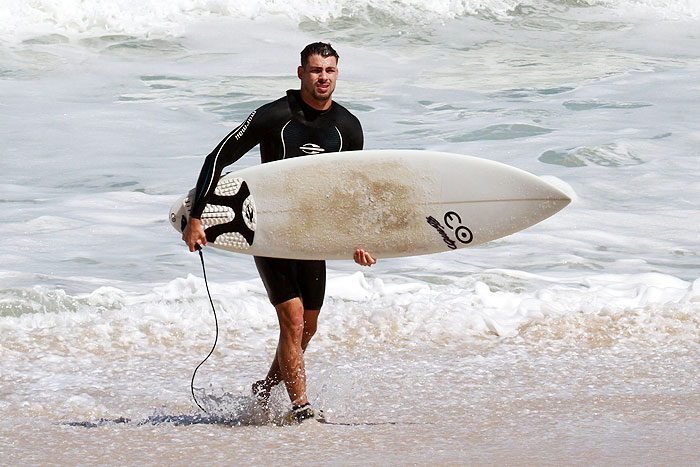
{"x": 170, "y": 18}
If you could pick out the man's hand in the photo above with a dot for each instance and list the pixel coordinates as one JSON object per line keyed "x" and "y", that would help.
{"x": 194, "y": 234}
{"x": 363, "y": 258}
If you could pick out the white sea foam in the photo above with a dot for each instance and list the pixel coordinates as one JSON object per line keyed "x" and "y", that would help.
{"x": 158, "y": 18}
{"x": 360, "y": 311}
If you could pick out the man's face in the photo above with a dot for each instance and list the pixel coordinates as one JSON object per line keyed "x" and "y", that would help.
{"x": 318, "y": 78}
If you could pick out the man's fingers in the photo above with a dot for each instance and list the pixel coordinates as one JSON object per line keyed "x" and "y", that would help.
{"x": 194, "y": 238}
{"x": 363, "y": 258}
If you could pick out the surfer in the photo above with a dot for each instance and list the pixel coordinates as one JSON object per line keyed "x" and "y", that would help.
{"x": 306, "y": 121}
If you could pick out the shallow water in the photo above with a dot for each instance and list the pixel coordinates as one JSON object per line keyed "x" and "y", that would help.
{"x": 572, "y": 342}
{"x": 507, "y": 403}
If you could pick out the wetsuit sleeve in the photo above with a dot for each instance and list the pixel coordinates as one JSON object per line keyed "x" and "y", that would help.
{"x": 357, "y": 140}
{"x": 241, "y": 140}
{"x": 354, "y": 135}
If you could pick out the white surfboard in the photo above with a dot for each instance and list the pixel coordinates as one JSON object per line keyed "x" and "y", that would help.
{"x": 391, "y": 203}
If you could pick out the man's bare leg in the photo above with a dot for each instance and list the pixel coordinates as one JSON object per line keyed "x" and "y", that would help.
{"x": 297, "y": 327}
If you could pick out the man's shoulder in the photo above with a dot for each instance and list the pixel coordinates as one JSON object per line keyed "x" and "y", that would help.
{"x": 341, "y": 108}
{"x": 273, "y": 113}
{"x": 277, "y": 106}
{"x": 344, "y": 114}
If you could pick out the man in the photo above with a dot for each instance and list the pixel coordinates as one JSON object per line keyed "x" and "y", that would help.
{"x": 305, "y": 121}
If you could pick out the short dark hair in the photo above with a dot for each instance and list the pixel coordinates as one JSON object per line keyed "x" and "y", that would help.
{"x": 323, "y": 49}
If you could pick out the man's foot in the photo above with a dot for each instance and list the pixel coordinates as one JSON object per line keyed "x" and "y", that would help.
{"x": 261, "y": 393}
{"x": 299, "y": 413}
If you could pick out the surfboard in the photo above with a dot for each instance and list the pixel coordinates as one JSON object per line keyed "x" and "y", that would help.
{"x": 391, "y": 203}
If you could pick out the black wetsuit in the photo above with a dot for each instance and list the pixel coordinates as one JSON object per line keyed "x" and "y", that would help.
{"x": 285, "y": 128}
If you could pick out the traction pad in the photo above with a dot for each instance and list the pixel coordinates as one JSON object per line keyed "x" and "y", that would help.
{"x": 230, "y": 218}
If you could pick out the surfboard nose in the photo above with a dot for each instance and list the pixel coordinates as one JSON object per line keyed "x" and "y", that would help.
{"x": 556, "y": 197}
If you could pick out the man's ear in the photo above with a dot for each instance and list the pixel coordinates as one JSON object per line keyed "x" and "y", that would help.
{"x": 300, "y": 71}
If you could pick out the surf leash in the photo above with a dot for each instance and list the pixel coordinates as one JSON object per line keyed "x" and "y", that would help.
{"x": 216, "y": 323}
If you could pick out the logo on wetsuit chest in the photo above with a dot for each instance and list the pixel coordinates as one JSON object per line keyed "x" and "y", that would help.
{"x": 311, "y": 148}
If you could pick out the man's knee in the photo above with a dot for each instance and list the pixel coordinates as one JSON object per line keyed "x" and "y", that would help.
{"x": 291, "y": 317}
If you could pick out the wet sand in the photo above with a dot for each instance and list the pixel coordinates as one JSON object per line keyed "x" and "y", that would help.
{"x": 508, "y": 403}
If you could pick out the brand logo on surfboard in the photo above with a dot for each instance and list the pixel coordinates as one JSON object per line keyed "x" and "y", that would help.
{"x": 311, "y": 148}
{"x": 454, "y": 223}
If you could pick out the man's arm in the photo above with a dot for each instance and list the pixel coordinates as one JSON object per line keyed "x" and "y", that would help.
{"x": 238, "y": 142}
{"x": 356, "y": 138}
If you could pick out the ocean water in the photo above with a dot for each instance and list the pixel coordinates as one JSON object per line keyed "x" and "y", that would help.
{"x": 574, "y": 342}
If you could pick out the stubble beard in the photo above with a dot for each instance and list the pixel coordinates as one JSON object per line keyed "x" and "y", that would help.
{"x": 322, "y": 96}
